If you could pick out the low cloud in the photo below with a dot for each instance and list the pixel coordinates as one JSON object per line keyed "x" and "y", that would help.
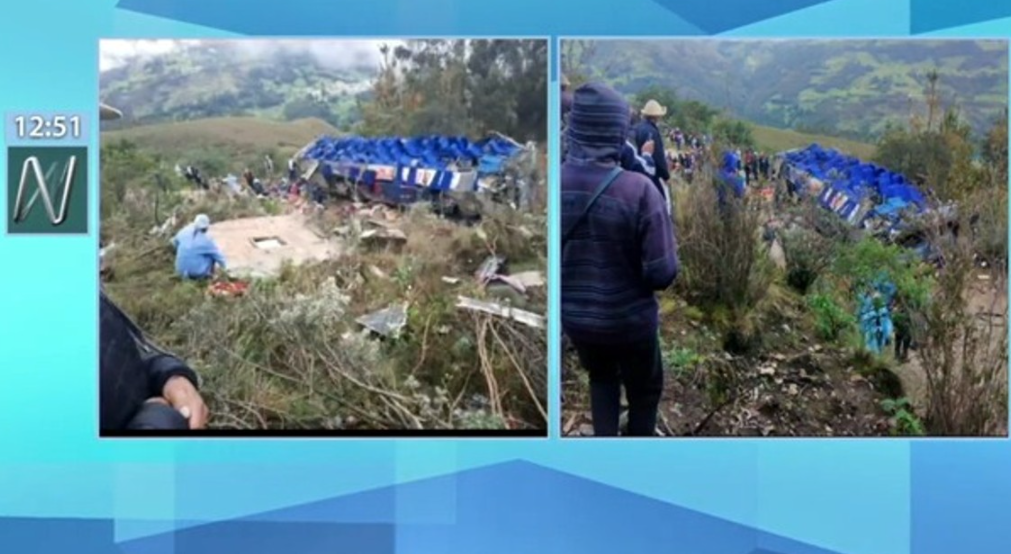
{"x": 337, "y": 54}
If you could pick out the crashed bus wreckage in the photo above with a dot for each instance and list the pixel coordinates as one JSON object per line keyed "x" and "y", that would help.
{"x": 866, "y": 196}
{"x": 877, "y": 201}
{"x": 451, "y": 172}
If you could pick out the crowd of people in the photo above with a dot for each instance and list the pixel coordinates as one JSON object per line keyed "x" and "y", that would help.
{"x": 757, "y": 166}
{"x": 691, "y": 153}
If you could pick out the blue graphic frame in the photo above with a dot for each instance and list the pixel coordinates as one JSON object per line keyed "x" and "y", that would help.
{"x": 64, "y": 490}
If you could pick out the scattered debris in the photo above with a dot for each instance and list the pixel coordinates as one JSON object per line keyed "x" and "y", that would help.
{"x": 490, "y": 269}
{"x": 451, "y": 280}
{"x": 387, "y": 322}
{"x": 524, "y": 232}
{"x": 383, "y": 236}
{"x": 529, "y": 279}
{"x": 529, "y": 319}
{"x": 260, "y": 246}
{"x": 223, "y": 289}
{"x": 166, "y": 227}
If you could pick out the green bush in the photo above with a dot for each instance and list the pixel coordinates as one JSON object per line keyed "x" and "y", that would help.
{"x": 807, "y": 255}
{"x": 869, "y": 260}
{"x": 831, "y": 318}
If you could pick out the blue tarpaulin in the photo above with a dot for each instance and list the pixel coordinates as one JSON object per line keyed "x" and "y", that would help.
{"x": 403, "y": 170}
{"x": 849, "y": 182}
{"x": 433, "y": 152}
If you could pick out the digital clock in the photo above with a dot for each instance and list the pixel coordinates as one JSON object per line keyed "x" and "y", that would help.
{"x": 36, "y": 127}
{"x": 41, "y": 127}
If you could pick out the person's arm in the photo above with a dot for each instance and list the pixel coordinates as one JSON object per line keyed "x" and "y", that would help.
{"x": 159, "y": 365}
{"x": 660, "y": 262}
{"x": 631, "y": 161}
{"x": 210, "y": 249}
{"x": 162, "y": 366}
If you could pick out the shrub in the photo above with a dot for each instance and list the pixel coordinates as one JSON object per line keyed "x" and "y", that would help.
{"x": 963, "y": 340}
{"x": 290, "y": 354}
{"x": 832, "y": 319}
{"x": 807, "y": 255}
{"x": 724, "y": 261}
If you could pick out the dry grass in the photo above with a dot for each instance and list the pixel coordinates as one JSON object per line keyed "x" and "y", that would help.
{"x": 963, "y": 336}
{"x": 289, "y": 355}
{"x": 243, "y": 135}
{"x": 777, "y": 140}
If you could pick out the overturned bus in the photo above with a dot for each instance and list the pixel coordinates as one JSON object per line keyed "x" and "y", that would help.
{"x": 453, "y": 173}
{"x": 863, "y": 194}
{"x": 869, "y": 197}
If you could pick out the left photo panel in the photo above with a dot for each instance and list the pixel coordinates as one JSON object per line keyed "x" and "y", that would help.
{"x": 323, "y": 237}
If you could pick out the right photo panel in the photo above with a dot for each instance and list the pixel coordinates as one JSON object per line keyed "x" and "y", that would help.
{"x": 784, "y": 238}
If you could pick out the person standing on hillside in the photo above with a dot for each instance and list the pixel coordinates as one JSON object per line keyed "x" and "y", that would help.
{"x": 637, "y": 160}
{"x": 648, "y": 130}
{"x": 618, "y": 248}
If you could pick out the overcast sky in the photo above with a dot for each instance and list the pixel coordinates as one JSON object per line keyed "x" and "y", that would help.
{"x": 336, "y": 53}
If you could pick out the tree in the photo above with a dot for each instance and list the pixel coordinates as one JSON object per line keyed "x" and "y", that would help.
{"x": 460, "y": 87}
{"x": 995, "y": 150}
{"x": 939, "y": 152}
{"x": 303, "y": 108}
{"x": 734, "y": 132}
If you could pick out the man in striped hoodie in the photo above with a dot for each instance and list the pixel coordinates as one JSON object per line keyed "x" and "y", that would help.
{"x": 618, "y": 249}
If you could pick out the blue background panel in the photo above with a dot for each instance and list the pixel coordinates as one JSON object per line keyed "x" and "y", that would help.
{"x": 63, "y": 490}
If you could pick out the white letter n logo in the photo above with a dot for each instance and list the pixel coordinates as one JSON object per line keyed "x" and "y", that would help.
{"x": 32, "y": 167}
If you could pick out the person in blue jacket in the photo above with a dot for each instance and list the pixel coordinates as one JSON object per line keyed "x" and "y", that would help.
{"x": 197, "y": 256}
{"x": 730, "y": 178}
{"x": 141, "y": 387}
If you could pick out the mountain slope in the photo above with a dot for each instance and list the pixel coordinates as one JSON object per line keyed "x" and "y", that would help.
{"x": 841, "y": 87}
{"x": 222, "y": 79}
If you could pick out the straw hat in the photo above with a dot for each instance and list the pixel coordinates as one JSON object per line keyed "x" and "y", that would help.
{"x": 108, "y": 113}
{"x": 653, "y": 109}
{"x": 565, "y": 81}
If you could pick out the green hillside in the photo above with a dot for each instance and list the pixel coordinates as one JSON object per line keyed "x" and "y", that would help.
{"x": 204, "y": 81}
{"x": 770, "y": 139}
{"x": 224, "y": 144}
{"x": 851, "y": 88}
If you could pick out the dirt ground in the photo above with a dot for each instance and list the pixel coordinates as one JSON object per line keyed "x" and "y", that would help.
{"x": 805, "y": 391}
{"x": 988, "y": 301}
{"x": 792, "y": 387}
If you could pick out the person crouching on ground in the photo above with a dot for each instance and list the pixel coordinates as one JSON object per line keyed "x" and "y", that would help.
{"x": 197, "y": 256}
{"x": 618, "y": 248}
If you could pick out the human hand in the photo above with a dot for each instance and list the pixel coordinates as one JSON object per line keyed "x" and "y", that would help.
{"x": 648, "y": 148}
{"x": 180, "y": 393}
